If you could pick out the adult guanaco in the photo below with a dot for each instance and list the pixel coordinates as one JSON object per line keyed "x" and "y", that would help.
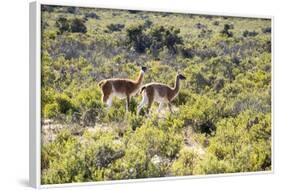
{"x": 121, "y": 88}
{"x": 161, "y": 93}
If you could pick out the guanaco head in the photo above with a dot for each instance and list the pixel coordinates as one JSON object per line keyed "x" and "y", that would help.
{"x": 143, "y": 68}
{"x": 181, "y": 77}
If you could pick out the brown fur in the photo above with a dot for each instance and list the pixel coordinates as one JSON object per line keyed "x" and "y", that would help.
{"x": 126, "y": 87}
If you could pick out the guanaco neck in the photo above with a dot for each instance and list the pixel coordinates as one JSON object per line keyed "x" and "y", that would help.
{"x": 177, "y": 86}
{"x": 138, "y": 81}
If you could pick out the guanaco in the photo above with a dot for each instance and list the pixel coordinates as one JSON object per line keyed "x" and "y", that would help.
{"x": 121, "y": 88}
{"x": 161, "y": 93}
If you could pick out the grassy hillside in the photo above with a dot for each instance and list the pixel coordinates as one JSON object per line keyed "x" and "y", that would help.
{"x": 222, "y": 115}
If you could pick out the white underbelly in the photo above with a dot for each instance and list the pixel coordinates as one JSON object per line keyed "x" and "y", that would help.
{"x": 158, "y": 98}
{"x": 119, "y": 95}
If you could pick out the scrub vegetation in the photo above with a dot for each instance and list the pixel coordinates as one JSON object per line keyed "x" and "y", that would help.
{"x": 221, "y": 119}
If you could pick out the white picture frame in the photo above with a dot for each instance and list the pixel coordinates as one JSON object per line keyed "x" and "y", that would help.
{"x": 35, "y": 94}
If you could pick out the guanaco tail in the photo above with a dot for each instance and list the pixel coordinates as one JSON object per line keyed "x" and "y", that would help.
{"x": 121, "y": 88}
{"x": 161, "y": 93}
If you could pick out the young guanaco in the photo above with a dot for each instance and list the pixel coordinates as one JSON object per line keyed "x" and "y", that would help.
{"x": 121, "y": 88}
{"x": 161, "y": 93}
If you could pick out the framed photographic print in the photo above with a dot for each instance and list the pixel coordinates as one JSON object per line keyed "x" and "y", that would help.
{"x": 123, "y": 95}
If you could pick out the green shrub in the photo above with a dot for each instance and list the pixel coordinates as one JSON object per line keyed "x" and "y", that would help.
{"x": 201, "y": 113}
{"x": 72, "y": 10}
{"x": 133, "y": 105}
{"x": 187, "y": 51}
{"x": 50, "y": 110}
{"x": 115, "y": 27}
{"x": 67, "y": 160}
{"x": 136, "y": 38}
{"x": 135, "y": 121}
{"x": 247, "y": 33}
{"x": 89, "y": 105}
{"x": 116, "y": 112}
{"x": 238, "y": 146}
{"x": 47, "y": 8}
{"x": 64, "y": 160}
{"x": 199, "y": 81}
{"x": 64, "y": 103}
{"x": 88, "y": 98}
{"x": 148, "y": 152}
{"x": 155, "y": 38}
{"x": 63, "y": 25}
{"x": 226, "y": 30}
{"x": 211, "y": 165}
{"x": 92, "y": 15}
{"x": 266, "y": 30}
{"x": 77, "y": 25}
{"x": 185, "y": 164}
{"x": 160, "y": 36}
{"x": 219, "y": 84}
{"x": 156, "y": 141}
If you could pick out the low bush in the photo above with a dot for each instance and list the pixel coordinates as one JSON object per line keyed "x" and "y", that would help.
{"x": 247, "y": 33}
{"x": 63, "y": 25}
{"x": 185, "y": 164}
{"x": 72, "y": 10}
{"x": 102, "y": 156}
{"x": 136, "y": 38}
{"x": 73, "y": 161}
{"x": 47, "y": 8}
{"x": 57, "y": 104}
{"x": 135, "y": 121}
{"x": 92, "y": 15}
{"x": 77, "y": 25}
{"x": 154, "y": 39}
{"x": 64, "y": 103}
{"x": 115, "y": 27}
{"x": 216, "y": 23}
{"x": 226, "y": 30}
{"x": 241, "y": 144}
{"x": 187, "y": 52}
{"x": 266, "y": 30}
{"x": 51, "y": 110}
{"x": 116, "y": 112}
{"x": 201, "y": 114}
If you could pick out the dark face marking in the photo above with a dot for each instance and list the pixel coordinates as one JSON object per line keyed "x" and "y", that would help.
{"x": 143, "y": 68}
{"x": 181, "y": 77}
